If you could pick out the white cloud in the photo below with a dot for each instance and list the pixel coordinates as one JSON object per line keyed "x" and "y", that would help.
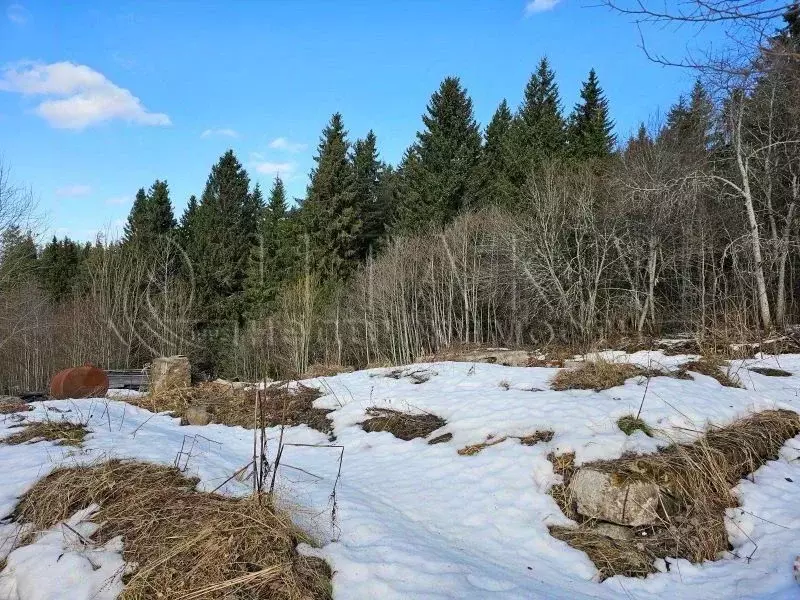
{"x": 72, "y": 191}
{"x": 17, "y": 14}
{"x": 282, "y": 143}
{"x": 79, "y": 96}
{"x": 275, "y": 168}
{"x": 225, "y": 132}
{"x": 538, "y": 6}
{"x": 119, "y": 200}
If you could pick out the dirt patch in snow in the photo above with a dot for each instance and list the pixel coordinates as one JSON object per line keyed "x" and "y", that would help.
{"x": 7, "y": 408}
{"x": 694, "y": 480}
{"x": 770, "y": 372}
{"x": 184, "y": 543}
{"x": 600, "y": 375}
{"x": 525, "y": 440}
{"x": 62, "y": 432}
{"x": 403, "y": 425}
{"x": 713, "y": 366}
{"x": 230, "y": 405}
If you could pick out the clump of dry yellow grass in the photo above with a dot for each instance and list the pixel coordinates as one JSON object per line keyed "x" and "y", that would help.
{"x": 712, "y": 366}
{"x": 63, "y": 432}
{"x": 599, "y": 374}
{"x": 184, "y": 543}
{"x": 697, "y": 477}
{"x": 236, "y": 406}
{"x": 7, "y": 408}
{"x": 594, "y": 375}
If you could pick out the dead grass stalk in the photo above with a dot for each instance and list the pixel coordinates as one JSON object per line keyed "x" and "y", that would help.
{"x": 185, "y": 543}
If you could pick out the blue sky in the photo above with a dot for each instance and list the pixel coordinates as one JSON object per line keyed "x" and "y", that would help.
{"x": 100, "y": 98}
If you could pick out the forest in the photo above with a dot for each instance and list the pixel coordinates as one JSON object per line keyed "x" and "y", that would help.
{"x": 540, "y": 228}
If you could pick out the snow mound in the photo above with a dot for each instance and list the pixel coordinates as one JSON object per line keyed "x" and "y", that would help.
{"x": 414, "y": 520}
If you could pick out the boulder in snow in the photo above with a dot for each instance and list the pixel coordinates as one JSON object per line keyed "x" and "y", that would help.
{"x": 197, "y": 415}
{"x": 170, "y": 372}
{"x": 598, "y": 496}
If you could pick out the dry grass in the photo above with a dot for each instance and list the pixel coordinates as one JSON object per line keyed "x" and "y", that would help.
{"x": 594, "y": 375}
{"x": 564, "y": 465}
{"x": 525, "y": 440}
{"x": 697, "y": 479}
{"x": 404, "y": 426}
{"x": 768, "y": 371}
{"x": 7, "y": 408}
{"x": 231, "y": 406}
{"x": 186, "y": 544}
{"x": 629, "y": 423}
{"x": 712, "y": 366}
{"x": 63, "y": 432}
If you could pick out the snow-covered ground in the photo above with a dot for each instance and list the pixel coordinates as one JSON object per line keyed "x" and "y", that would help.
{"x": 421, "y": 521}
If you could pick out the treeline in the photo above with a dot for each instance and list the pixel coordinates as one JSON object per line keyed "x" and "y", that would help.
{"x": 541, "y": 227}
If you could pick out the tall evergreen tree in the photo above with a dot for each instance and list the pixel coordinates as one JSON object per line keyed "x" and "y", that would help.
{"x": 689, "y": 124}
{"x": 495, "y": 169}
{"x": 439, "y": 168}
{"x": 329, "y": 211}
{"x": 219, "y": 241}
{"x": 539, "y": 128}
{"x": 367, "y": 174}
{"x": 275, "y": 254}
{"x": 59, "y": 268}
{"x": 591, "y": 128}
{"x": 151, "y": 216}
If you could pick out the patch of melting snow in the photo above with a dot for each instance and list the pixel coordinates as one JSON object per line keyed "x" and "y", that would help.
{"x": 415, "y": 520}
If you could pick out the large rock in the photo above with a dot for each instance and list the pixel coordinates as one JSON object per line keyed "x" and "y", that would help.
{"x": 633, "y": 503}
{"x": 197, "y": 415}
{"x": 169, "y": 372}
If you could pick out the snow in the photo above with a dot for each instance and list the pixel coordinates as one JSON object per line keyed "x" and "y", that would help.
{"x": 420, "y": 521}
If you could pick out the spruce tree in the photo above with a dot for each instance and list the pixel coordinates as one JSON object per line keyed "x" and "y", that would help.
{"x": 60, "y": 268}
{"x": 591, "y": 128}
{"x": 689, "y": 125}
{"x": 330, "y": 216}
{"x": 151, "y": 216}
{"x": 448, "y": 149}
{"x": 493, "y": 174}
{"x": 219, "y": 241}
{"x": 539, "y": 132}
{"x": 367, "y": 174}
{"x": 274, "y": 257}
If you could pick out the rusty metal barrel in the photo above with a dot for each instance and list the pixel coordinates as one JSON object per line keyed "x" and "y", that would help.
{"x": 79, "y": 382}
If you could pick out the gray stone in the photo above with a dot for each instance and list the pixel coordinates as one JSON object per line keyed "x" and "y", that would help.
{"x": 573, "y": 364}
{"x": 170, "y": 372}
{"x": 617, "y": 532}
{"x": 631, "y": 503}
{"x": 197, "y": 415}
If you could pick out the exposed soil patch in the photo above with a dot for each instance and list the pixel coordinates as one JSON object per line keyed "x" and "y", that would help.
{"x": 525, "y": 440}
{"x": 416, "y": 376}
{"x": 405, "y": 426}
{"x": 7, "y": 408}
{"x": 186, "y": 544}
{"x": 693, "y": 480}
{"x": 63, "y": 432}
{"x": 712, "y": 366}
{"x": 768, "y": 371}
{"x": 600, "y": 375}
{"x": 230, "y": 405}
